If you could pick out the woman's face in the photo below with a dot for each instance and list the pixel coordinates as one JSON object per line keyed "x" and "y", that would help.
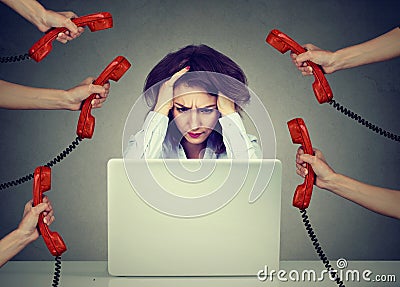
{"x": 195, "y": 113}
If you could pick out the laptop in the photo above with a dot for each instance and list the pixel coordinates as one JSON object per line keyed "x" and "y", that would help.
{"x": 193, "y": 217}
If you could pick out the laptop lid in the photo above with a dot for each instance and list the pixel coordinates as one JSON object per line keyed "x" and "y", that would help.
{"x": 236, "y": 237}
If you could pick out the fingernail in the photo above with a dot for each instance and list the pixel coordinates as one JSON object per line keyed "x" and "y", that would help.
{"x": 187, "y": 68}
{"x": 45, "y": 220}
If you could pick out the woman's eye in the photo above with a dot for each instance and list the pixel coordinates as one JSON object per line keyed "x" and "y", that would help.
{"x": 181, "y": 109}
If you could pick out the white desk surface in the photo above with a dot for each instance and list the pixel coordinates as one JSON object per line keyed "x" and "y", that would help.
{"x": 94, "y": 273}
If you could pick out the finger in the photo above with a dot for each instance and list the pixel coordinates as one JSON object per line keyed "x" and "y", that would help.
{"x": 302, "y": 172}
{"x": 107, "y": 86}
{"x": 97, "y": 103}
{"x": 61, "y": 38}
{"x": 69, "y": 14}
{"x": 306, "y": 56}
{"x": 52, "y": 219}
{"x": 298, "y": 159}
{"x": 67, "y": 23}
{"x": 88, "y": 80}
{"x": 177, "y": 75}
{"x": 97, "y": 89}
{"x": 49, "y": 219}
{"x": 39, "y": 208}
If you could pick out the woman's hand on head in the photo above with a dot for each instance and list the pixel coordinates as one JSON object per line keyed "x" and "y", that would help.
{"x": 225, "y": 105}
{"x": 166, "y": 93}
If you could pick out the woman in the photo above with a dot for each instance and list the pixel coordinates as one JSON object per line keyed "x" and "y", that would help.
{"x": 195, "y": 95}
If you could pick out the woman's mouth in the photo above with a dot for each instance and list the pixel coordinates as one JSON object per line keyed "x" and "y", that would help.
{"x": 194, "y": 135}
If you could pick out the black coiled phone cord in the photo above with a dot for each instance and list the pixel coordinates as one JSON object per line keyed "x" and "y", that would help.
{"x": 57, "y": 271}
{"x": 13, "y": 59}
{"x": 51, "y": 163}
{"x": 318, "y": 248}
{"x": 363, "y": 122}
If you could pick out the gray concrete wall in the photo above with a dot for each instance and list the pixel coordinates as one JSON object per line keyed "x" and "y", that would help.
{"x": 145, "y": 31}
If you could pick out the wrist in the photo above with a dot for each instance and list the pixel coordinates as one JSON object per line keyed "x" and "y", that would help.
{"x": 23, "y": 237}
{"x": 66, "y": 101}
{"x": 225, "y": 112}
{"x": 330, "y": 182}
{"x": 338, "y": 61}
{"x": 164, "y": 110}
{"x": 37, "y": 15}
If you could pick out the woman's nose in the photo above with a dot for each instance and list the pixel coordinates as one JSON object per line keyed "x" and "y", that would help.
{"x": 195, "y": 119}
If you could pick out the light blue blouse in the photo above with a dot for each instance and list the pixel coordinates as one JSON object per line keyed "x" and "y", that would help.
{"x": 152, "y": 141}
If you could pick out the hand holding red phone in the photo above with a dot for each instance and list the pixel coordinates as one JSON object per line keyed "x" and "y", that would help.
{"x": 284, "y": 43}
{"x": 323, "y": 58}
{"x": 77, "y": 94}
{"x": 324, "y": 173}
{"x": 29, "y": 222}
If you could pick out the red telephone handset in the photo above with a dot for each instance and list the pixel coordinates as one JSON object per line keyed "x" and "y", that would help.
{"x": 298, "y": 132}
{"x": 95, "y": 22}
{"x": 41, "y": 184}
{"x": 114, "y": 71}
{"x": 283, "y": 43}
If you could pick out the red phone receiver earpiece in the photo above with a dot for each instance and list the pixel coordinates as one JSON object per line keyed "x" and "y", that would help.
{"x": 114, "y": 71}
{"x": 284, "y": 43}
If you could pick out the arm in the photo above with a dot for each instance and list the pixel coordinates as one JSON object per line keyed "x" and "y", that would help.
{"x": 148, "y": 142}
{"x": 26, "y": 232}
{"x": 237, "y": 142}
{"x": 384, "y": 47}
{"x": 381, "y": 200}
{"x": 45, "y": 19}
{"x": 14, "y": 96}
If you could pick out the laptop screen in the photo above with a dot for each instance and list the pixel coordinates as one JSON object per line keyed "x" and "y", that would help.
{"x": 218, "y": 217}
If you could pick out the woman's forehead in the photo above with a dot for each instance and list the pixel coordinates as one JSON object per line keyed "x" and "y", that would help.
{"x": 189, "y": 96}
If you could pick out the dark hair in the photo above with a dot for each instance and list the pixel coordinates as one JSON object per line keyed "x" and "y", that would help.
{"x": 205, "y": 59}
{"x": 199, "y": 58}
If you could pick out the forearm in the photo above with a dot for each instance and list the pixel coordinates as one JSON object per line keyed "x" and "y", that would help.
{"x": 31, "y": 10}
{"x": 382, "y": 200}
{"x": 237, "y": 143}
{"x": 14, "y": 96}
{"x": 148, "y": 142}
{"x": 12, "y": 244}
{"x": 384, "y": 47}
